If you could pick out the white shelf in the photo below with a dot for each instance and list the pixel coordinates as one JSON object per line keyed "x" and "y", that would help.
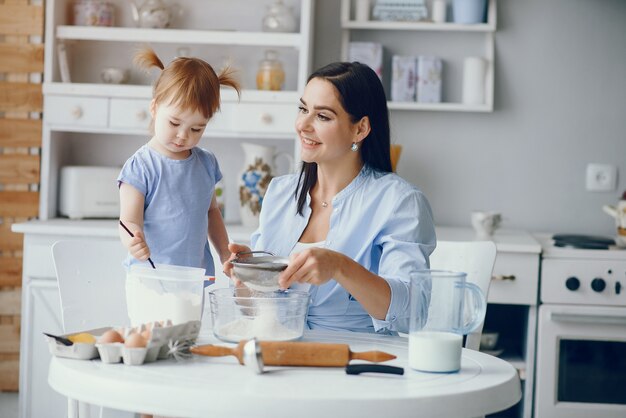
{"x": 421, "y": 26}
{"x": 485, "y": 30}
{"x": 145, "y": 92}
{"x": 178, "y": 36}
{"x": 441, "y": 107}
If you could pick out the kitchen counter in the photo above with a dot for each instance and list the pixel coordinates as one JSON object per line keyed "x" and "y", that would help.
{"x": 509, "y": 241}
{"x": 105, "y": 228}
{"x": 512, "y": 241}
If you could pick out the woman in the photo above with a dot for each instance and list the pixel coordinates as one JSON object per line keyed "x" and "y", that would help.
{"x": 353, "y": 229}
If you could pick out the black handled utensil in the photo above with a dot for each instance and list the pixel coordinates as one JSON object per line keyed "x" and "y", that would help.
{"x": 373, "y": 368}
{"x": 132, "y": 235}
{"x": 61, "y": 340}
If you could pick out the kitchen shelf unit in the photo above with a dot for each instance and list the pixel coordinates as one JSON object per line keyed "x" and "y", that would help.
{"x": 349, "y": 25}
{"x": 109, "y": 111}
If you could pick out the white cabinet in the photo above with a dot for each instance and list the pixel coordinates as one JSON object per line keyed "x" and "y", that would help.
{"x": 451, "y": 41}
{"x": 107, "y": 118}
{"x": 41, "y": 309}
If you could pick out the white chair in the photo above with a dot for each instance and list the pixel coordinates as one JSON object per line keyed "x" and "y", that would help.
{"x": 91, "y": 281}
{"x": 476, "y": 258}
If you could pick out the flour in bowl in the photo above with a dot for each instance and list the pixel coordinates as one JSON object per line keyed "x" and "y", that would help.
{"x": 148, "y": 305}
{"x": 264, "y": 326}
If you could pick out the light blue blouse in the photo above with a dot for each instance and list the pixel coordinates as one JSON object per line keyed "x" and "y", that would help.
{"x": 379, "y": 220}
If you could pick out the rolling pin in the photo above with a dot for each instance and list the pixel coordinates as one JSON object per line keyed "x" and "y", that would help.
{"x": 290, "y": 353}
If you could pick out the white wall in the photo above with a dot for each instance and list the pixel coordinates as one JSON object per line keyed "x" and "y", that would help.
{"x": 560, "y": 99}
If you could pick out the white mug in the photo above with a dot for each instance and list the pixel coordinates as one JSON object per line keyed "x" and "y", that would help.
{"x": 485, "y": 223}
{"x": 114, "y": 75}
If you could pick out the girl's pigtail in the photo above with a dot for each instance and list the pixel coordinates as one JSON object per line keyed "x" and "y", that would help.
{"x": 146, "y": 58}
{"x": 226, "y": 78}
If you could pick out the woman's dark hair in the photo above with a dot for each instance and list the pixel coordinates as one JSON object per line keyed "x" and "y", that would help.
{"x": 361, "y": 94}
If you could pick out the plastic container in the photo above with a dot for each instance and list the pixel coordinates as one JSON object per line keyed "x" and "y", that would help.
{"x": 242, "y": 314}
{"x": 167, "y": 292}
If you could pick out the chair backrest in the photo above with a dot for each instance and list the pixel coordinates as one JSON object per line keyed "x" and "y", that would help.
{"x": 476, "y": 258}
{"x": 91, "y": 281}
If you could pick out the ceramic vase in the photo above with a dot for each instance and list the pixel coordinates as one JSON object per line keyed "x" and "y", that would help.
{"x": 258, "y": 170}
{"x": 469, "y": 11}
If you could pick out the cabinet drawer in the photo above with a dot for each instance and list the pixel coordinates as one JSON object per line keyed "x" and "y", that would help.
{"x": 77, "y": 111}
{"x": 130, "y": 113}
{"x": 516, "y": 279}
{"x": 264, "y": 118}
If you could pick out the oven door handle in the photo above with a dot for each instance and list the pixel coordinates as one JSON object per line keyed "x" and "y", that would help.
{"x": 588, "y": 319}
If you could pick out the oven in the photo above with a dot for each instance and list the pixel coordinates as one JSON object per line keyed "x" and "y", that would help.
{"x": 581, "y": 341}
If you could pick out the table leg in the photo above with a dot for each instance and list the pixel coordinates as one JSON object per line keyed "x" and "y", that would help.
{"x": 72, "y": 408}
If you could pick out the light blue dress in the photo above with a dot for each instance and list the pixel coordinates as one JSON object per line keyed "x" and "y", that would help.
{"x": 379, "y": 220}
{"x": 177, "y": 195}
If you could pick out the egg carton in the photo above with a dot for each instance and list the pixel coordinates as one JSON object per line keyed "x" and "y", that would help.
{"x": 158, "y": 346}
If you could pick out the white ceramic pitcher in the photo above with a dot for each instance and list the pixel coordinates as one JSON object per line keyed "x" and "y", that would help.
{"x": 258, "y": 169}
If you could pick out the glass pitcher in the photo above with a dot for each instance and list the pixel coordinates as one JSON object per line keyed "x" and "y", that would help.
{"x": 444, "y": 307}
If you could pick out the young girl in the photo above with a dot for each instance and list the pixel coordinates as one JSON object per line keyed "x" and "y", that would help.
{"x": 167, "y": 188}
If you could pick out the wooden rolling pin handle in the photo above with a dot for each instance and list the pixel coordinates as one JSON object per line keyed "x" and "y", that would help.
{"x": 373, "y": 356}
{"x": 218, "y": 351}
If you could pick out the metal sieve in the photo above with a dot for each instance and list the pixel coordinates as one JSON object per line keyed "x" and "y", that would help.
{"x": 259, "y": 272}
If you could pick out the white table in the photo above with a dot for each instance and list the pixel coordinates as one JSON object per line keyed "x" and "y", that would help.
{"x": 204, "y": 386}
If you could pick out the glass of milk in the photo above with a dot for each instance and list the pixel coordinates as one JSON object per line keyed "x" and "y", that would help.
{"x": 444, "y": 307}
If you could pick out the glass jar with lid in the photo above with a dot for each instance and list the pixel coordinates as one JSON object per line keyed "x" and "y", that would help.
{"x": 270, "y": 75}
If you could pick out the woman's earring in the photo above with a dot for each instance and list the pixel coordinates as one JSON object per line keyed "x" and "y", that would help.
{"x": 354, "y": 147}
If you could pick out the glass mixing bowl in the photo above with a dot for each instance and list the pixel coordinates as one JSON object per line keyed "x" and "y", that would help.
{"x": 241, "y": 314}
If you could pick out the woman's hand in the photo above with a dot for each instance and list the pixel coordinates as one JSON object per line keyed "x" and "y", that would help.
{"x": 227, "y": 266}
{"x": 137, "y": 246}
{"x": 314, "y": 265}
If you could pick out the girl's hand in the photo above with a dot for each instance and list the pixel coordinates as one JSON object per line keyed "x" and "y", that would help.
{"x": 137, "y": 246}
{"x": 314, "y": 265}
{"x": 227, "y": 266}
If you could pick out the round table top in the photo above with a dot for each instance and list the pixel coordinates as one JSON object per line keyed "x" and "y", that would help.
{"x": 203, "y": 386}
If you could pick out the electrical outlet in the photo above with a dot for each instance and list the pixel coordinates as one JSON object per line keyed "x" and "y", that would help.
{"x": 601, "y": 177}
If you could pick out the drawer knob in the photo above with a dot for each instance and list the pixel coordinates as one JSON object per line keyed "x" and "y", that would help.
{"x": 503, "y": 277}
{"x": 77, "y": 112}
{"x": 142, "y": 115}
{"x": 266, "y": 118}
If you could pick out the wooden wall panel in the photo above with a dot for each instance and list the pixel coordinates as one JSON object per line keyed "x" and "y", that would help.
{"x": 27, "y": 58}
{"x": 20, "y": 97}
{"x": 9, "y": 338}
{"x": 9, "y": 371}
{"x": 9, "y": 240}
{"x": 20, "y": 133}
{"x": 19, "y": 204}
{"x": 21, "y": 102}
{"x": 10, "y": 271}
{"x": 21, "y": 19}
{"x": 19, "y": 169}
{"x": 10, "y": 302}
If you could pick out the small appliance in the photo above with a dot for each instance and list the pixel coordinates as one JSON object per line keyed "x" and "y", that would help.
{"x": 89, "y": 192}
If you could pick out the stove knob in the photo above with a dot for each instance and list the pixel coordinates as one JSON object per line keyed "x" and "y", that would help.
{"x": 572, "y": 283}
{"x": 598, "y": 284}
{"x": 618, "y": 288}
